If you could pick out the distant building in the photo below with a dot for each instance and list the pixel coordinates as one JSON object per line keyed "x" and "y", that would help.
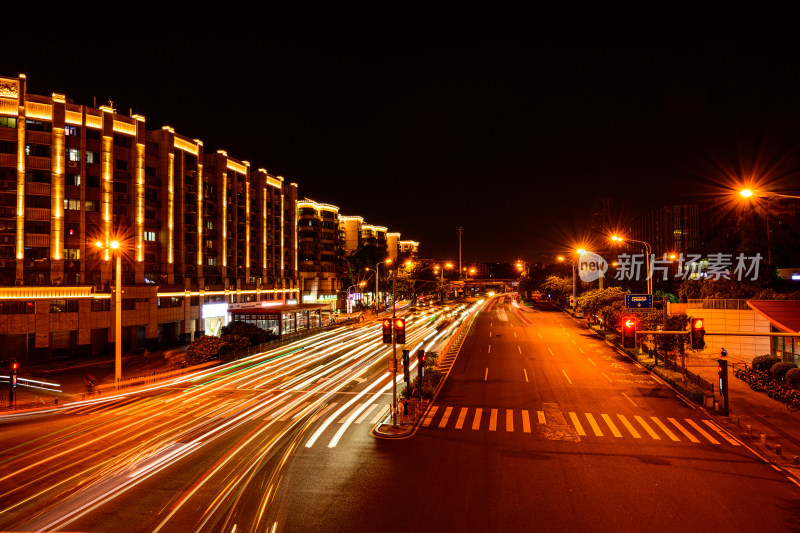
{"x": 320, "y": 251}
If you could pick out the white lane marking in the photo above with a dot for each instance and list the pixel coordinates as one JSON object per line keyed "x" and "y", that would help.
{"x": 526, "y": 422}
{"x": 490, "y": 349}
{"x": 580, "y": 349}
{"x": 540, "y": 414}
{"x": 461, "y": 416}
{"x": 486, "y": 375}
{"x": 702, "y": 431}
{"x": 721, "y": 432}
{"x": 664, "y": 428}
{"x": 566, "y": 376}
{"x": 476, "y": 422}
{"x": 520, "y": 350}
{"x": 515, "y": 334}
{"x": 429, "y": 418}
{"x": 493, "y": 420}
{"x": 290, "y": 414}
{"x": 593, "y": 363}
{"x": 551, "y": 350}
{"x": 526, "y": 375}
{"x": 683, "y": 430}
{"x": 540, "y": 335}
{"x": 573, "y": 342}
{"x": 366, "y": 413}
{"x": 577, "y": 423}
{"x": 626, "y": 397}
{"x": 629, "y": 427}
{"x": 608, "y": 378}
{"x": 647, "y": 428}
{"x": 593, "y": 423}
{"x": 509, "y": 420}
{"x": 610, "y": 424}
{"x": 490, "y": 334}
{"x": 445, "y": 417}
{"x": 380, "y": 415}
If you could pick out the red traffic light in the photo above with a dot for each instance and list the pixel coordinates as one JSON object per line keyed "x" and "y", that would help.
{"x": 630, "y": 323}
{"x": 14, "y": 365}
{"x": 387, "y": 323}
{"x": 400, "y": 323}
{"x": 387, "y": 331}
{"x": 697, "y": 323}
{"x": 400, "y": 330}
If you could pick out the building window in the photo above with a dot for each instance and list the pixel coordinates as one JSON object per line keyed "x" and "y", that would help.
{"x": 8, "y": 122}
{"x": 91, "y": 206}
{"x": 38, "y": 176}
{"x": 38, "y": 125}
{"x": 73, "y": 179}
{"x": 121, "y": 164}
{"x": 212, "y": 261}
{"x": 169, "y": 301}
{"x": 37, "y": 150}
{"x": 71, "y": 131}
{"x": 74, "y": 155}
{"x": 121, "y": 186}
{"x": 93, "y": 181}
{"x": 150, "y": 194}
{"x": 8, "y": 147}
{"x": 73, "y": 229}
{"x": 101, "y": 305}
{"x": 149, "y": 214}
{"x": 63, "y": 306}
{"x": 92, "y": 157}
{"x": 128, "y": 304}
{"x": 72, "y": 254}
{"x": 150, "y": 236}
{"x": 72, "y": 204}
{"x": 120, "y": 210}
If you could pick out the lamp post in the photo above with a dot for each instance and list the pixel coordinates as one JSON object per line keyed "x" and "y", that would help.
{"x": 441, "y": 281}
{"x": 648, "y": 251}
{"x": 114, "y": 245}
{"x": 579, "y": 252}
{"x": 768, "y": 196}
{"x": 377, "y": 277}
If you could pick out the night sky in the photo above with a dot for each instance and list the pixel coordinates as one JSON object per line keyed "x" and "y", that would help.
{"x": 509, "y": 125}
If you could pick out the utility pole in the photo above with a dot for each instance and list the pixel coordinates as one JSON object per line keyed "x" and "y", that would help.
{"x": 460, "y": 230}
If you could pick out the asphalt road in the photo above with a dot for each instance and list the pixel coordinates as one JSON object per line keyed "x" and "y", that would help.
{"x": 543, "y": 427}
{"x": 540, "y": 426}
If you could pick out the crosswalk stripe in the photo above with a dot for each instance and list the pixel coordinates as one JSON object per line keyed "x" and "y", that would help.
{"x": 720, "y": 433}
{"x": 647, "y": 428}
{"x": 476, "y": 422}
{"x": 526, "y": 422}
{"x": 703, "y": 432}
{"x": 593, "y": 423}
{"x": 366, "y": 413}
{"x": 493, "y": 420}
{"x": 509, "y": 420}
{"x": 291, "y": 413}
{"x": 445, "y": 417}
{"x": 664, "y": 428}
{"x": 683, "y": 430}
{"x": 629, "y": 427}
{"x": 541, "y": 417}
{"x": 429, "y": 418}
{"x": 610, "y": 424}
{"x": 461, "y": 416}
{"x": 577, "y": 424}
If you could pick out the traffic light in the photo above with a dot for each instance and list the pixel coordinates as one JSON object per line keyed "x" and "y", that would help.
{"x": 722, "y": 370}
{"x": 406, "y": 375}
{"x": 14, "y": 366}
{"x": 698, "y": 334}
{"x": 387, "y": 331}
{"x": 400, "y": 330}
{"x": 628, "y": 332}
{"x": 421, "y": 364}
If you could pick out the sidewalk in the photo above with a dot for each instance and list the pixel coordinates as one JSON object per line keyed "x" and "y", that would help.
{"x": 753, "y": 414}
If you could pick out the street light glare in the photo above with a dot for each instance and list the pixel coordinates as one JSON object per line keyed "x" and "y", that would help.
{"x": 98, "y": 244}
{"x": 115, "y": 244}
{"x": 746, "y": 193}
{"x": 581, "y": 251}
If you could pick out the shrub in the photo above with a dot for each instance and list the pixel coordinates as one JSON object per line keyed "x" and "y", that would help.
{"x": 235, "y": 342}
{"x": 765, "y": 362}
{"x": 204, "y": 349}
{"x": 793, "y": 378}
{"x": 779, "y": 370}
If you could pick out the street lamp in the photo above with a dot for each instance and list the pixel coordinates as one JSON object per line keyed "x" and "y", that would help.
{"x": 114, "y": 245}
{"x": 768, "y": 196}
{"x": 648, "y": 251}
{"x": 579, "y": 252}
{"x": 441, "y": 282}
{"x": 377, "y": 277}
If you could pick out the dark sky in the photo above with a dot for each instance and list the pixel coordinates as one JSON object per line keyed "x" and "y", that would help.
{"x": 511, "y": 125}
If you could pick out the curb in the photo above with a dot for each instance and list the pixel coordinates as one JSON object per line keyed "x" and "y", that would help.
{"x": 792, "y": 473}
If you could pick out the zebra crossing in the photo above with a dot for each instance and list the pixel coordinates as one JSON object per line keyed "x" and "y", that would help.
{"x": 554, "y": 424}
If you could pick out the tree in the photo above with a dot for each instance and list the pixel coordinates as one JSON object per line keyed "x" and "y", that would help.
{"x": 557, "y": 287}
{"x": 595, "y": 300}
{"x": 252, "y": 333}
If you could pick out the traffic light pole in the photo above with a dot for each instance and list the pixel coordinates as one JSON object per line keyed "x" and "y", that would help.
{"x": 394, "y": 355}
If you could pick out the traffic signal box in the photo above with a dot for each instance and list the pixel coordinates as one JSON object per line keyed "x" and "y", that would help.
{"x": 400, "y": 330}
{"x": 406, "y": 374}
{"x": 722, "y": 370}
{"x": 14, "y": 366}
{"x": 628, "y": 332}
{"x": 421, "y": 364}
{"x": 387, "y": 331}
{"x": 698, "y": 334}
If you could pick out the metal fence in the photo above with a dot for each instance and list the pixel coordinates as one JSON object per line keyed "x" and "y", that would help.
{"x": 718, "y": 303}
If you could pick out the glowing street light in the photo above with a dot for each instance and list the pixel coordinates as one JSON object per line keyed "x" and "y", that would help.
{"x": 648, "y": 251}
{"x": 768, "y": 196}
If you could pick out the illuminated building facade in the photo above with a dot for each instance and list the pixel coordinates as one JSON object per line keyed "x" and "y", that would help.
{"x": 196, "y": 229}
{"x": 320, "y": 251}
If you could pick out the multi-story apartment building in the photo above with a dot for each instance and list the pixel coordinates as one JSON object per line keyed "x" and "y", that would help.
{"x": 320, "y": 251}
{"x": 350, "y": 228}
{"x": 194, "y": 229}
{"x": 393, "y": 245}
{"x": 408, "y": 247}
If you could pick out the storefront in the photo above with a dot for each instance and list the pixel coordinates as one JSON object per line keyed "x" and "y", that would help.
{"x": 282, "y": 319}
{"x": 784, "y": 317}
{"x": 214, "y": 317}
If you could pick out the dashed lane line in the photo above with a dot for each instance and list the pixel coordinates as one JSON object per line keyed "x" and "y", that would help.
{"x": 566, "y": 376}
{"x": 626, "y": 397}
{"x": 476, "y": 422}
